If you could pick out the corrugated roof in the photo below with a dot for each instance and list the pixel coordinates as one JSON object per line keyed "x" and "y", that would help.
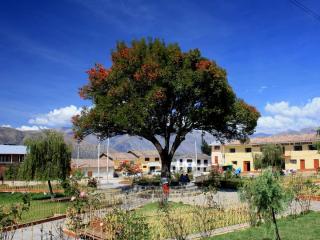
{"x": 192, "y": 156}
{"x": 13, "y": 149}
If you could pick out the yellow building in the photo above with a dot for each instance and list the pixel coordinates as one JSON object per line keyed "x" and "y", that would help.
{"x": 119, "y": 157}
{"x": 149, "y": 160}
{"x": 299, "y": 151}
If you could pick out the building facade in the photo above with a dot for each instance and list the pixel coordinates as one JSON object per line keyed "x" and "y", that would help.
{"x": 148, "y": 160}
{"x": 187, "y": 163}
{"x": 91, "y": 168}
{"x": 11, "y": 155}
{"x": 300, "y": 152}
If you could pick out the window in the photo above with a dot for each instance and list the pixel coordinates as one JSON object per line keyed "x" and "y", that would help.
{"x": 204, "y": 169}
{"x": 293, "y": 161}
{"x": 216, "y": 147}
{"x": 144, "y": 166}
{"x": 198, "y": 162}
{"x": 198, "y": 169}
{"x": 232, "y": 150}
{"x": 297, "y": 148}
{"x": 181, "y": 168}
{"x": 312, "y": 147}
{"x": 189, "y": 160}
{"x": 147, "y": 159}
{"x": 205, "y": 162}
{"x": 156, "y": 159}
{"x": 5, "y": 158}
{"x": 173, "y": 168}
{"x": 235, "y": 162}
{"x": 181, "y": 160}
{"x": 248, "y": 150}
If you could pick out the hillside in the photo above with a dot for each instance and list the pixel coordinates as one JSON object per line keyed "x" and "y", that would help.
{"x": 124, "y": 143}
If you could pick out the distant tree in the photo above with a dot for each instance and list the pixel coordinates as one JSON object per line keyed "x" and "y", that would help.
{"x": 266, "y": 197}
{"x": 272, "y": 156}
{"x": 11, "y": 173}
{"x": 130, "y": 168}
{"x": 318, "y": 140}
{"x": 205, "y": 147}
{"x": 48, "y": 158}
{"x": 154, "y": 90}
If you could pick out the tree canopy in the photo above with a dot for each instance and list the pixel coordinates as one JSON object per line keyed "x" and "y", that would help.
{"x": 155, "y": 90}
{"x": 48, "y": 158}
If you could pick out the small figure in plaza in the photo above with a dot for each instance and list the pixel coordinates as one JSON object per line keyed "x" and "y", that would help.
{"x": 187, "y": 179}
{"x": 165, "y": 190}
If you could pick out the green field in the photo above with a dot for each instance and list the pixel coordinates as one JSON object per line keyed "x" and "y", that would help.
{"x": 39, "y": 209}
{"x": 304, "y": 227}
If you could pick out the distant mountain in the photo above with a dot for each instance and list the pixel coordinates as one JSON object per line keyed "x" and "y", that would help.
{"x": 14, "y": 136}
{"x": 123, "y": 143}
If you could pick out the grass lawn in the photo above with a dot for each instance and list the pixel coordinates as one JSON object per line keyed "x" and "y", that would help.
{"x": 39, "y": 209}
{"x": 153, "y": 208}
{"x": 306, "y": 227}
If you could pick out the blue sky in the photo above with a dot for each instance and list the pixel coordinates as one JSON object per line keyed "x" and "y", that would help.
{"x": 270, "y": 50}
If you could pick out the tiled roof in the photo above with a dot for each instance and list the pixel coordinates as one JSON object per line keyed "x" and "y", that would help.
{"x": 120, "y": 156}
{"x": 13, "y": 149}
{"x": 92, "y": 163}
{"x": 289, "y": 138}
{"x": 146, "y": 153}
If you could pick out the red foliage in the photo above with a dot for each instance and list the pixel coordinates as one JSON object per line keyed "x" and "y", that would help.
{"x": 203, "y": 64}
{"x": 128, "y": 167}
{"x": 159, "y": 95}
{"x": 98, "y": 74}
{"x": 149, "y": 71}
{"x": 123, "y": 53}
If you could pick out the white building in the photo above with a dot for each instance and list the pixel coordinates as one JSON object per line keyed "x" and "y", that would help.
{"x": 191, "y": 163}
{"x": 89, "y": 167}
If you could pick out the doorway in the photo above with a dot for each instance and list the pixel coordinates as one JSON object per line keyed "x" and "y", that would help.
{"x": 302, "y": 164}
{"x": 246, "y": 166}
{"x": 316, "y": 164}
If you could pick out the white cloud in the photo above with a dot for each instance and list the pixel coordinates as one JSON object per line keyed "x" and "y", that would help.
{"x": 6, "y": 125}
{"x": 56, "y": 118}
{"x": 31, "y": 128}
{"x": 281, "y": 116}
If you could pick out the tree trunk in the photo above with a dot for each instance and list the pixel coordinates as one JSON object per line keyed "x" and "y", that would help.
{"x": 275, "y": 224}
{"x": 50, "y": 189}
{"x": 165, "y": 165}
{"x": 165, "y": 168}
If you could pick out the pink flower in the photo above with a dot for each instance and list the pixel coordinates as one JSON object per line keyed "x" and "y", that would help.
{"x": 82, "y": 194}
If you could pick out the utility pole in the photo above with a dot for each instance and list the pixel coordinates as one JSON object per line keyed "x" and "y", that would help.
{"x": 78, "y": 153}
{"x": 99, "y": 142}
{"x": 195, "y": 150}
{"x": 108, "y": 142}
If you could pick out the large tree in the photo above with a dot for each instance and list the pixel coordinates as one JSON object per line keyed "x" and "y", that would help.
{"x": 48, "y": 158}
{"x": 157, "y": 91}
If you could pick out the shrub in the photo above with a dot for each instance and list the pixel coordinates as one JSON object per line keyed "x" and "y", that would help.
{"x": 125, "y": 225}
{"x": 12, "y": 172}
{"x": 92, "y": 182}
{"x": 266, "y": 198}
